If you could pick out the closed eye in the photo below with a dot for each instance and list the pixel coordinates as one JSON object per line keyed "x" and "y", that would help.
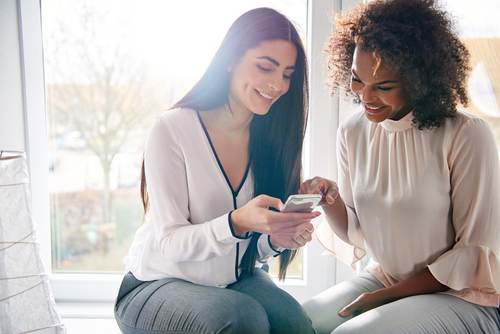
{"x": 263, "y": 69}
{"x": 385, "y": 88}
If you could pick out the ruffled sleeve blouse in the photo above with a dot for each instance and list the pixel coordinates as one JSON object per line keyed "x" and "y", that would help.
{"x": 422, "y": 198}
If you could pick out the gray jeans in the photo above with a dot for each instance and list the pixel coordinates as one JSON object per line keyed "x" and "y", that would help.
{"x": 434, "y": 313}
{"x": 254, "y": 304}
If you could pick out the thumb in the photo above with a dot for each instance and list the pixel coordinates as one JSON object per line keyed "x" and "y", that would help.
{"x": 346, "y": 311}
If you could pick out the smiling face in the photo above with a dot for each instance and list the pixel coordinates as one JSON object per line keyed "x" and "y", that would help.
{"x": 262, "y": 76}
{"x": 381, "y": 91}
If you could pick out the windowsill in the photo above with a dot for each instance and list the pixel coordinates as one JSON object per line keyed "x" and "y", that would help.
{"x": 85, "y": 310}
{"x": 85, "y": 287}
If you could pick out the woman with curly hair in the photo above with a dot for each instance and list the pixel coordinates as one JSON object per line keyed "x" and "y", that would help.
{"x": 418, "y": 182}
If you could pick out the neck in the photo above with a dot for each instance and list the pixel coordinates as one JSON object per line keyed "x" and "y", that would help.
{"x": 228, "y": 122}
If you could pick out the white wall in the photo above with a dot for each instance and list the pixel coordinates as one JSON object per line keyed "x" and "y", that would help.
{"x": 11, "y": 93}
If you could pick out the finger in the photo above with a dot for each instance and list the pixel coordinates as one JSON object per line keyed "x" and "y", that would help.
{"x": 331, "y": 194}
{"x": 265, "y": 201}
{"x": 316, "y": 186}
{"x": 310, "y": 228}
{"x": 302, "y": 239}
{"x": 292, "y": 218}
{"x": 312, "y": 186}
{"x": 304, "y": 186}
{"x": 289, "y": 231}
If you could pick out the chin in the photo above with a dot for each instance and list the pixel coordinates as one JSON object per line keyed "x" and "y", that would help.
{"x": 261, "y": 111}
{"x": 375, "y": 118}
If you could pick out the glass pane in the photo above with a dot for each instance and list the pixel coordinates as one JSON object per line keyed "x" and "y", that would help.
{"x": 111, "y": 66}
{"x": 480, "y": 32}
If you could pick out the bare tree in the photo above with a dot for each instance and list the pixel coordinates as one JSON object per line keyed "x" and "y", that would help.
{"x": 98, "y": 86}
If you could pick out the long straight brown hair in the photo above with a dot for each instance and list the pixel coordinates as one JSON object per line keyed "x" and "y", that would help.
{"x": 276, "y": 138}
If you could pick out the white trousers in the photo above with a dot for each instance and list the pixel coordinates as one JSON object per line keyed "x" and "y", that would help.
{"x": 434, "y": 313}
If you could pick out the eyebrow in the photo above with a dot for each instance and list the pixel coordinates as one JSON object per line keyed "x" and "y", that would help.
{"x": 275, "y": 62}
{"x": 378, "y": 83}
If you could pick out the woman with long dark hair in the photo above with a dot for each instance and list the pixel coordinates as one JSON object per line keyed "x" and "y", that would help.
{"x": 214, "y": 164}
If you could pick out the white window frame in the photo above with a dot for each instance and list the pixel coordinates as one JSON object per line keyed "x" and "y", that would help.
{"x": 319, "y": 272}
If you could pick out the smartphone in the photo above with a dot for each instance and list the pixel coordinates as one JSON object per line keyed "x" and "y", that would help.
{"x": 301, "y": 203}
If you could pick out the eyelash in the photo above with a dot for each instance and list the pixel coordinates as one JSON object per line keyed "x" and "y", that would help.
{"x": 268, "y": 70}
{"x": 385, "y": 89}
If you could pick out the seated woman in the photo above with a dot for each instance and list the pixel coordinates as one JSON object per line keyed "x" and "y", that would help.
{"x": 214, "y": 163}
{"x": 419, "y": 180}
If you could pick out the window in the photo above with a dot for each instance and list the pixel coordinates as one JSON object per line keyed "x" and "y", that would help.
{"x": 318, "y": 272}
{"x": 110, "y": 68}
{"x": 480, "y": 32}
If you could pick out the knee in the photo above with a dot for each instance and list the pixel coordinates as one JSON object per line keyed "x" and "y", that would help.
{"x": 246, "y": 317}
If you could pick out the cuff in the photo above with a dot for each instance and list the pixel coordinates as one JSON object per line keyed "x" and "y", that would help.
{"x": 265, "y": 249}
{"x": 246, "y": 236}
{"x": 279, "y": 250}
{"x": 223, "y": 232}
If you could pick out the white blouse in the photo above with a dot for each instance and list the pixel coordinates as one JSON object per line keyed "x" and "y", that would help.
{"x": 187, "y": 233}
{"x": 422, "y": 198}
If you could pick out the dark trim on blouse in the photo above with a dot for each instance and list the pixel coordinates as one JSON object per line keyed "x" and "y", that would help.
{"x": 247, "y": 235}
{"x": 233, "y": 192}
{"x": 271, "y": 245}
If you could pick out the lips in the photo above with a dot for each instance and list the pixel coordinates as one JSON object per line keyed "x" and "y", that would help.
{"x": 265, "y": 97}
{"x": 373, "y": 109}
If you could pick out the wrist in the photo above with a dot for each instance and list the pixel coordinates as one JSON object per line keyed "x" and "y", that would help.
{"x": 234, "y": 220}
{"x": 275, "y": 247}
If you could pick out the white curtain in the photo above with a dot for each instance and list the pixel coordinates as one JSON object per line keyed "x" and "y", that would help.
{"x": 26, "y": 301}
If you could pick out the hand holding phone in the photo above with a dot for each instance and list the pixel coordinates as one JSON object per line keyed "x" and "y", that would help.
{"x": 301, "y": 203}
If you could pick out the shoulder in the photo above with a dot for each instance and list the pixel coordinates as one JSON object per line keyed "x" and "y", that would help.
{"x": 470, "y": 134}
{"x": 354, "y": 122}
{"x": 467, "y": 124}
{"x": 177, "y": 116}
{"x": 172, "y": 125}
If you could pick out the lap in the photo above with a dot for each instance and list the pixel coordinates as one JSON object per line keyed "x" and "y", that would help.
{"x": 323, "y": 308}
{"x": 285, "y": 314}
{"x": 172, "y": 305}
{"x": 433, "y": 313}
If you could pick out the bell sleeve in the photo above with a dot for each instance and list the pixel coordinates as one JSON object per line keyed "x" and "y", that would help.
{"x": 472, "y": 266}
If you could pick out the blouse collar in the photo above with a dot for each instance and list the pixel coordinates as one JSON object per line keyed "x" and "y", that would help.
{"x": 404, "y": 123}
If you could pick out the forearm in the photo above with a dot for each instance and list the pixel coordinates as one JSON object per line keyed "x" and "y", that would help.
{"x": 422, "y": 283}
{"x": 336, "y": 215}
{"x": 419, "y": 284}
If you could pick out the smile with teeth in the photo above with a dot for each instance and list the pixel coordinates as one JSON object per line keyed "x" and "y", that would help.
{"x": 269, "y": 97}
{"x": 373, "y": 108}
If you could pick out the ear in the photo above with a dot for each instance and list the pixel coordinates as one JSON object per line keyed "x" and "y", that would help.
{"x": 230, "y": 68}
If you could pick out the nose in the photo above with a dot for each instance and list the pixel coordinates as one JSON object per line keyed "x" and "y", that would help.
{"x": 276, "y": 82}
{"x": 366, "y": 94}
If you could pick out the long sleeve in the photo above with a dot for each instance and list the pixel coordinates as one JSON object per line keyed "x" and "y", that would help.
{"x": 187, "y": 232}
{"x": 354, "y": 251}
{"x": 178, "y": 239}
{"x": 473, "y": 262}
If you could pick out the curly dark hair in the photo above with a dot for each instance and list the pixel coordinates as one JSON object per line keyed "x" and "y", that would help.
{"x": 417, "y": 39}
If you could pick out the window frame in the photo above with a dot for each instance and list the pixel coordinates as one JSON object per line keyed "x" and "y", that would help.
{"x": 319, "y": 272}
